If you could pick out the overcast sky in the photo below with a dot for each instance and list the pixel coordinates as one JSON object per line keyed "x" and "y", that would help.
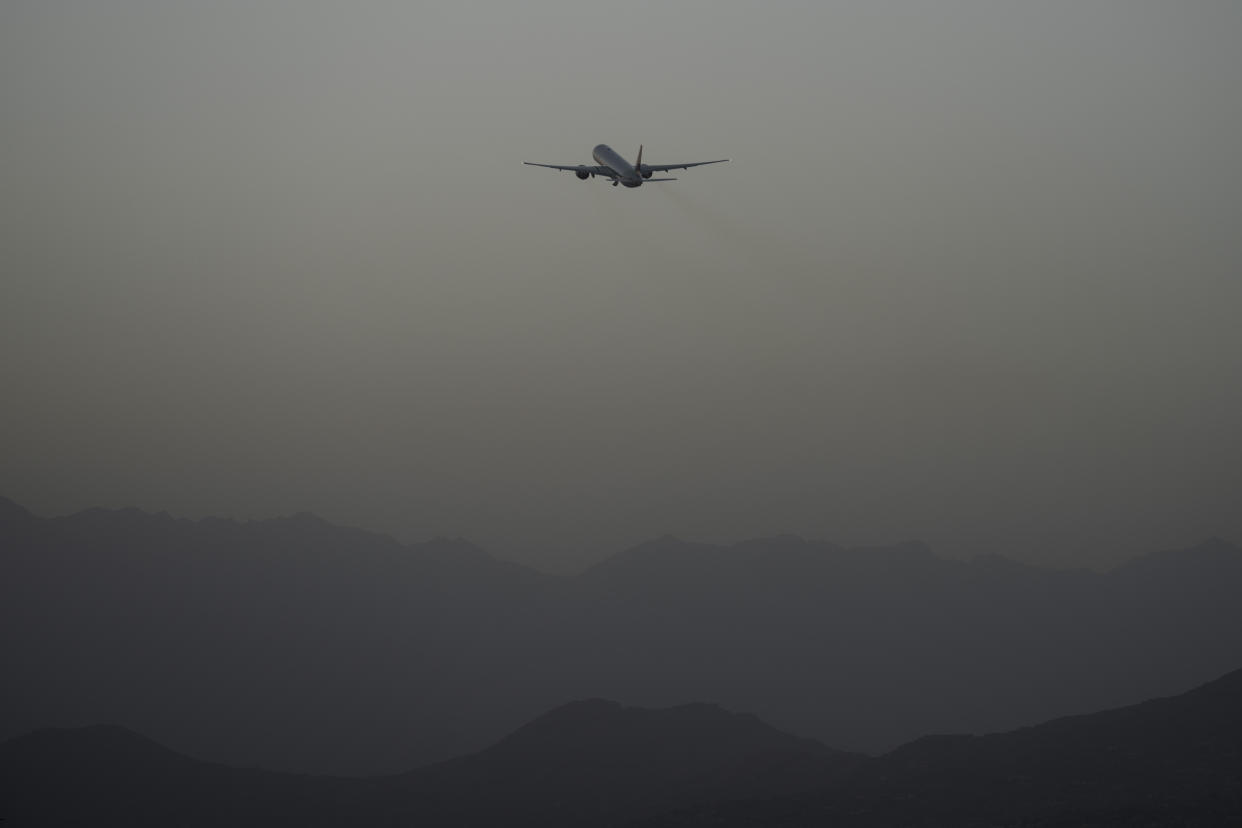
{"x": 973, "y": 274}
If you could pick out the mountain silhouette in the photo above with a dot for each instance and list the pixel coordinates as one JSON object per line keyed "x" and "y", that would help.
{"x": 591, "y": 762}
{"x": 288, "y": 642}
{"x": 1166, "y": 762}
{"x": 598, "y": 762}
{"x": 296, "y": 644}
{"x": 103, "y": 775}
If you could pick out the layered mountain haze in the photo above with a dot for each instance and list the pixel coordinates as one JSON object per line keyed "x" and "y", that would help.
{"x": 295, "y": 644}
{"x": 1166, "y": 762}
{"x": 597, "y": 762}
{"x": 398, "y": 482}
{"x": 590, "y": 762}
{"x": 255, "y": 642}
{"x": 107, "y": 775}
{"x": 1169, "y": 762}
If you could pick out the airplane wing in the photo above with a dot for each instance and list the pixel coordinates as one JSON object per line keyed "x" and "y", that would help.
{"x": 667, "y": 167}
{"x": 587, "y": 168}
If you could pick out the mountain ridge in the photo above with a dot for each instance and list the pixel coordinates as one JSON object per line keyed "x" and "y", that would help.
{"x": 299, "y": 645}
{"x": 1171, "y": 761}
{"x": 1163, "y": 762}
{"x": 1210, "y": 548}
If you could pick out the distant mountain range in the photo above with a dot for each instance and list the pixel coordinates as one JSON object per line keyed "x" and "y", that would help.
{"x": 299, "y": 645}
{"x": 587, "y": 763}
{"x": 1169, "y": 762}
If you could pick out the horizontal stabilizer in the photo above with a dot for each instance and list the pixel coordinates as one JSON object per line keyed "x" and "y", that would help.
{"x": 649, "y": 180}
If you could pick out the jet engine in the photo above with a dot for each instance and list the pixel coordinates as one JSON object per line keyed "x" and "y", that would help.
{"x": 583, "y": 174}
{"x": 646, "y": 173}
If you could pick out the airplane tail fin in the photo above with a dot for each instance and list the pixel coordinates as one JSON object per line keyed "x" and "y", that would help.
{"x": 638, "y": 165}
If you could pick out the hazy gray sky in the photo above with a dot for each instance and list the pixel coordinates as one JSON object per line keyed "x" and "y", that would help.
{"x": 973, "y": 274}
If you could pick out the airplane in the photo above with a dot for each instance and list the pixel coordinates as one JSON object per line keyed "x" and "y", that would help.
{"x": 620, "y": 171}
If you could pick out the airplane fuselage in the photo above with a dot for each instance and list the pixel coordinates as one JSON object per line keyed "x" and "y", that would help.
{"x": 626, "y": 175}
{"x": 610, "y": 166}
